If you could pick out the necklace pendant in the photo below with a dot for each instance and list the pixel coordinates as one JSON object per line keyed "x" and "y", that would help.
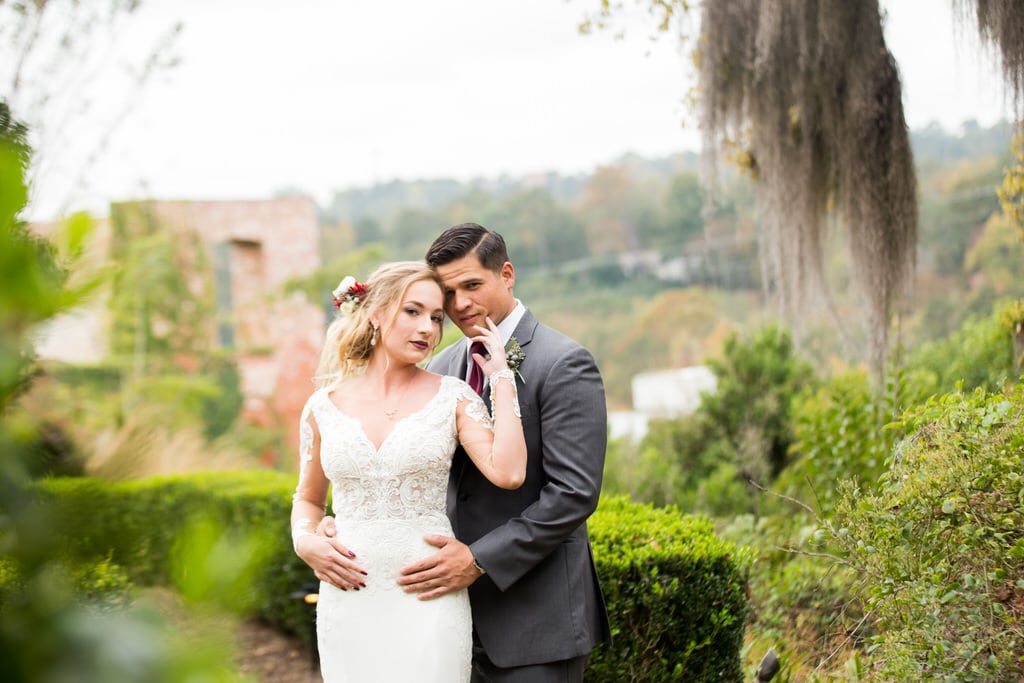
{"x": 391, "y": 413}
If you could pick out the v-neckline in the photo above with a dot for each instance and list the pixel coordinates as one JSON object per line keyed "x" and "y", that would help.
{"x": 359, "y": 423}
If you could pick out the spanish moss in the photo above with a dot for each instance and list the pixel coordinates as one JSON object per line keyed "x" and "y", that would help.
{"x": 1001, "y": 26}
{"x": 811, "y": 89}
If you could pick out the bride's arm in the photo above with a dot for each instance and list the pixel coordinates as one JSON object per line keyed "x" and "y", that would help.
{"x": 499, "y": 452}
{"x": 330, "y": 560}
{"x": 497, "y": 447}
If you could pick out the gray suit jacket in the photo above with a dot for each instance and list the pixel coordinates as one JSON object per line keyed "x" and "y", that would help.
{"x": 539, "y": 600}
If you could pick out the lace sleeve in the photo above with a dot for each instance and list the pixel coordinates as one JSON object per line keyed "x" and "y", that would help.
{"x": 311, "y": 490}
{"x": 475, "y": 406}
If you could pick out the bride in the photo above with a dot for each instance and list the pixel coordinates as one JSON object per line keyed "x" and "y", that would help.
{"x": 381, "y": 432}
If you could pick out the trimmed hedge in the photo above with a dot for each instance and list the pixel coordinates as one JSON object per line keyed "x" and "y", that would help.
{"x": 676, "y": 593}
{"x": 141, "y": 524}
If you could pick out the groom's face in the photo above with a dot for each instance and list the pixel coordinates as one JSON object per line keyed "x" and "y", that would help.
{"x": 472, "y": 293}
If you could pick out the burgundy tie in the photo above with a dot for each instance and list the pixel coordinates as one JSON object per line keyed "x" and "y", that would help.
{"x": 476, "y": 375}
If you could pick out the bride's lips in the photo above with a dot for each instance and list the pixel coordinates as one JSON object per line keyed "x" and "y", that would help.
{"x": 422, "y": 345}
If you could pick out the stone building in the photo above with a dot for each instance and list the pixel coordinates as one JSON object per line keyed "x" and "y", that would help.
{"x": 252, "y": 247}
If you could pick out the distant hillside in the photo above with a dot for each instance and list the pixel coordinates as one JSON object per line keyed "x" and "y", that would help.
{"x": 932, "y": 145}
{"x": 936, "y": 145}
{"x": 383, "y": 201}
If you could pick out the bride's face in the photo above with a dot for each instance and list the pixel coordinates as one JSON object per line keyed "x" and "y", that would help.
{"x": 415, "y": 329}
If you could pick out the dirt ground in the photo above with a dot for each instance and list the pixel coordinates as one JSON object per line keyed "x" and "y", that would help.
{"x": 274, "y": 657}
{"x": 262, "y": 653}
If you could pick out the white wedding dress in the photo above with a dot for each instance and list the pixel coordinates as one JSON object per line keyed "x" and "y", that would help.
{"x": 384, "y": 502}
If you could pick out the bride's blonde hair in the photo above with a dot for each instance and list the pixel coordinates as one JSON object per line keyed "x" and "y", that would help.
{"x": 350, "y": 338}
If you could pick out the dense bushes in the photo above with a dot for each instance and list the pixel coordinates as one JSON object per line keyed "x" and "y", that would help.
{"x": 979, "y": 354}
{"x": 939, "y": 545}
{"x": 715, "y": 460}
{"x": 676, "y": 593}
{"x": 150, "y": 528}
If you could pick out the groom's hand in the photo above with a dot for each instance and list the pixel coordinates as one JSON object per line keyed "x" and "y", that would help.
{"x": 450, "y": 569}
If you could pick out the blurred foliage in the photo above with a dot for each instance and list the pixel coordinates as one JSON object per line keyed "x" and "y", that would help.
{"x": 157, "y": 317}
{"x": 683, "y": 218}
{"x": 996, "y": 258}
{"x": 717, "y": 459}
{"x": 750, "y": 407}
{"x": 960, "y": 198}
{"x": 841, "y": 429}
{"x": 676, "y": 592}
{"x": 50, "y": 629}
{"x": 211, "y": 536}
{"x": 1011, "y": 192}
{"x": 801, "y": 603}
{"x": 939, "y": 544}
{"x": 847, "y": 438}
{"x": 978, "y": 354}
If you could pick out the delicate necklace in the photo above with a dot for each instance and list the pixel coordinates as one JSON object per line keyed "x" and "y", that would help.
{"x": 394, "y": 411}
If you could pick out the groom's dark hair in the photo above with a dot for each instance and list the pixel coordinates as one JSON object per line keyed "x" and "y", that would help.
{"x": 468, "y": 238}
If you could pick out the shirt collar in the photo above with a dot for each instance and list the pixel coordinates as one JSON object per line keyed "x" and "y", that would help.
{"x": 507, "y": 326}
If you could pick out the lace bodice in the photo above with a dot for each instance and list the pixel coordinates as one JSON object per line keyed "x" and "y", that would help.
{"x": 408, "y": 476}
{"x": 385, "y": 501}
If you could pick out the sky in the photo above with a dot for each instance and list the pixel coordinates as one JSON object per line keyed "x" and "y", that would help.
{"x": 324, "y": 95}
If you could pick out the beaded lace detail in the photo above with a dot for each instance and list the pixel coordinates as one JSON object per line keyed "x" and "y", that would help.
{"x": 407, "y": 477}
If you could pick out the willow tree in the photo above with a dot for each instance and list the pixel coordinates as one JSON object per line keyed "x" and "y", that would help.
{"x": 810, "y": 93}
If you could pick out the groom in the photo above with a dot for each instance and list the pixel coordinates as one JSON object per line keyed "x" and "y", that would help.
{"x": 525, "y": 555}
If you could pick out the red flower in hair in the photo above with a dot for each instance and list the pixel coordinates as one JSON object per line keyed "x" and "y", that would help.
{"x": 349, "y": 294}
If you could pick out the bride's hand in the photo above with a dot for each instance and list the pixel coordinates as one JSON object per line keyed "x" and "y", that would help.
{"x": 331, "y": 561}
{"x": 492, "y": 340}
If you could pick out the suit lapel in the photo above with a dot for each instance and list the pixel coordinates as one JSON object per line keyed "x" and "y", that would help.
{"x": 524, "y": 330}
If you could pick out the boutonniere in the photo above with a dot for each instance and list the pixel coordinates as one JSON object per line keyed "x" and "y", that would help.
{"x": 514, "y": 356}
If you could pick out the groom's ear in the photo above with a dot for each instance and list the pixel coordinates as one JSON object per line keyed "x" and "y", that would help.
{"x": 508, "y": 274}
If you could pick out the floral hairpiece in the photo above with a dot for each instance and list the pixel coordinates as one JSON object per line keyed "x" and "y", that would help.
{"x": 349, "y": 294}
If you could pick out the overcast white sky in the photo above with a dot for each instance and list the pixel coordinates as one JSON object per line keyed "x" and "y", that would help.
{"x": 322, "y": 95}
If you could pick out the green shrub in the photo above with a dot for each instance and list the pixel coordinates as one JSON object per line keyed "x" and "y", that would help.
{"x": 801, "y": 603}
{"x": 152, "y": 528}
{"x": 714, "y": 460}
{"x": 840, "y": 434}
{"x": 978, "y": 354}
{"x": 750, "y": 406}
{"x": 676, "y": 596}
{"x": 667, "y": 465}
{"x": 939, "y": 546}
